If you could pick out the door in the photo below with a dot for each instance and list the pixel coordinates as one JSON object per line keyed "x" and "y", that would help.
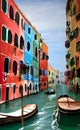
{"x": 7, "y": 93}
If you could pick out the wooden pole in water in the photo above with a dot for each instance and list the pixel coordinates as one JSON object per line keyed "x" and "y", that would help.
{"x": 22, "y": 119}
{"x": 22, "y": 109}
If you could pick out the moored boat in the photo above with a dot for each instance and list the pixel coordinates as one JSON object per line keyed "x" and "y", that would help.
{"x": 50, "y": 92}
{"x": 68, "y": 111}
{"x": 28, "y": 111}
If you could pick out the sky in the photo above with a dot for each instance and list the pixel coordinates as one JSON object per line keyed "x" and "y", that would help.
{"x": 49, "y": 18}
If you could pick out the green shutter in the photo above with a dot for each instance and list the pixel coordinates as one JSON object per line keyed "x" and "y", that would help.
{"x": 4, "y": 5}
{"x": 9, "y": 36}
{"x": 3, "y": 33}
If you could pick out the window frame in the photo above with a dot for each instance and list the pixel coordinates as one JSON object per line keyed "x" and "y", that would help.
{"x": 6, "y": 6}
{"x": 11, "y": 12}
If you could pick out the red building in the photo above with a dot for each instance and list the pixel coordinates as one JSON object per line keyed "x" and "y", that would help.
{"x": 43, "y": 66}
{"x": 12, "y": 27}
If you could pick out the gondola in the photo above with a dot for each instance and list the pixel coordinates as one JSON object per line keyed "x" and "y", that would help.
{"x": 68, "y": 110}
{"x": 28, "y": 111}
{"x": 50, "y": 92}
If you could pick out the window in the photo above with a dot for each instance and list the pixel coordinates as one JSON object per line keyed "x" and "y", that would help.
{"x": 44, "y": 72}
{"x": 44, "y": 83}
{"x": 9, "y": 36}
{"x": 21, "y": 89}
{"x": 11, "y": 13}
{"x": 29, "y": 30}
{"x": 14, "y": 67}
{"x": 35, "y": 37}
{"x": 21, "y": 42}
{"x": 78, "y": 46}
{"x": 74, "y": 10}
{"x": 14, "y": 88}
{"x": 49, "y": 72}
{"x": 17, "y": 17}
{"x": 36, "y": 52}
{"x": 6, "y": 65}
{"x": 16, "y": 40}
{"x": 22, "y": 23}
{"x": 31, "y": 70}
{"x": 47, "y": 57}
{"x": 43, "y": 56}
{"x": 4, "y": 6}
{"x": 77, "y": 61}
{"x": 78, "y": 16}
{"x": 25, "y": 87}
{"x": 4, "y": 30}
{"x": 40, "y": 72}
{"x": 28, "y": 46}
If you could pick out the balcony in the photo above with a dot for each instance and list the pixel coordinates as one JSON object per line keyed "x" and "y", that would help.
{"x": 67, "y": 44}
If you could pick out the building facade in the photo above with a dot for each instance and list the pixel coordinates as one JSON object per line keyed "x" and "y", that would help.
{"x": 19, "y": 54}
{"x": 53, "y": 76}
{"x": 72, "y": 44}
{"x": 43, "y": 65}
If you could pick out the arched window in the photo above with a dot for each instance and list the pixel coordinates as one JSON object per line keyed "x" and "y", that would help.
{"x": 43, "y": 56}
{"x": 4, "y": 35}
{"x": 25, "y": 87}
{"x": 44, "y": 72}
{"x": 21, "y": 42}
{"x": 31, "y": 70}
{"x": 21, "y": 89}
{"x": 30, "y": 86}
{"x": 4, "y": 6}
{"x": 17, "y": 17}
{"x": 9, "y": 36}
{"x": 16, "y": 40}
{"x": 29, "y": 30}
{"x": 36, "y": 52}
{"x": 6, "y": 65}
{"x": 14, "y": 67}
{"x": 28, "y": 46}
{"x": 35, "y": 37}
{"x": 11, "y": 13}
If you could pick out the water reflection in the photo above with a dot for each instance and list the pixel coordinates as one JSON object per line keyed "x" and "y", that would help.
{"x": 44, "y": 119}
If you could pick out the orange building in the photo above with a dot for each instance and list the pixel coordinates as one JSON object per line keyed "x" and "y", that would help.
{"x": 72, "y": 43}
{"x": 43, "y": 66}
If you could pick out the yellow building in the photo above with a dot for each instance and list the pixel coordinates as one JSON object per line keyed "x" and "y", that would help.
{"x": 53, "y": 76}
{"x": 72, "y": 43}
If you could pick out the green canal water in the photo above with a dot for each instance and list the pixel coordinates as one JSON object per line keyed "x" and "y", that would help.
{"x": 43, "y": 120}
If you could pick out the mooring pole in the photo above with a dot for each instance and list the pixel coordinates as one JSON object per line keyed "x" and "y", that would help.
{"x": 22, "y": 110}
{"x": 22, "y": 119}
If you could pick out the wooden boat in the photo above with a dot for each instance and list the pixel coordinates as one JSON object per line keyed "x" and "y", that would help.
{"x": 28, "y": 111}
{"x": 50, "y": 92}
{"x": 68, "y": 110}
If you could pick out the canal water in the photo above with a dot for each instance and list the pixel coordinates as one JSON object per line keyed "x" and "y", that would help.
{"x": 43, "y": 120}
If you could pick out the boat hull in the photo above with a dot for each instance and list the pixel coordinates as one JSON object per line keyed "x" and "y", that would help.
{"x": 6, "y": 119}
{"x": 68, "y": 119}
{"x": 68, "y": 111}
